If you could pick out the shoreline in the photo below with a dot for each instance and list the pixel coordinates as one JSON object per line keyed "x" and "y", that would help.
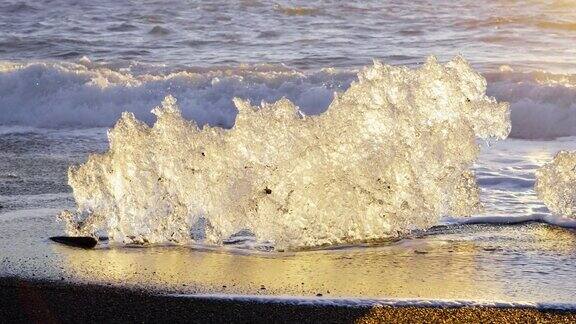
{"x": 26, "y": 300}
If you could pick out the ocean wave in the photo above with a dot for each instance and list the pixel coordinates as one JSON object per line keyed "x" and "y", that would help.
{"x": 159, "y": 31}
{"x": 61, "y": 95}
{"x": 543, "y": 104}
{"x": 298, "y": 11}
{"x": 17, "y": 8}
{"x": 538, "y": 21}
{"x": 86, "y": 94}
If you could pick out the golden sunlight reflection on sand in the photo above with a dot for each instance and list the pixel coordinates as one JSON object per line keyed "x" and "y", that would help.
{"x": 472, "y": 262}
{"x": 464, "y": 263}
{"x": 408, "y": 270}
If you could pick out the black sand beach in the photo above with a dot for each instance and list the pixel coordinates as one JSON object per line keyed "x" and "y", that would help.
{"x": 25, "y": 301}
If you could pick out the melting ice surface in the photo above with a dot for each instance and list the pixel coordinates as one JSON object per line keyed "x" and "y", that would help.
{"x": 556, "y": 184}
{"x": 391, "y": 154}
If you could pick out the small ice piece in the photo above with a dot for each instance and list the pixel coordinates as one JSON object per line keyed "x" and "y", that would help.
{"x": 556, "y": 184}
{"x": 391, "y": 154}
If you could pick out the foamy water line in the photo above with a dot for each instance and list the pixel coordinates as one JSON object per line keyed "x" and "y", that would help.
{"x": 85, "y": 94}
{"x": 374, "y": 302}
{"x": 512, "y": 220}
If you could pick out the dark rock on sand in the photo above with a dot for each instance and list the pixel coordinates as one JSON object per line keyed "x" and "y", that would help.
{"x": 85, "y": 242}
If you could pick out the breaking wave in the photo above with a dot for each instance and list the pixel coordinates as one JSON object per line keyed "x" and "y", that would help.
{"x": 85, "y": 94}
{"x": 57, "y": 95}
{"x": 391, "y": 154}
{"x": 543, "y": 105}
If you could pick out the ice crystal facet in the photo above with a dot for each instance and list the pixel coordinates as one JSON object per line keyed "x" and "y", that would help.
{"x": 556, "y": 184}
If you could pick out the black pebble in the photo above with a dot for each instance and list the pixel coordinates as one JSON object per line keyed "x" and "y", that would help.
{"x": 85, "y": 242}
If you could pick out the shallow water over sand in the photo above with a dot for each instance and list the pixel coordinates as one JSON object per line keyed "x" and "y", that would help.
{"x": 521, "y": 263}
{"x": 484, "y": 263}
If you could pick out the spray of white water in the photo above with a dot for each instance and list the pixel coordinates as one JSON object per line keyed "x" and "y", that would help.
{"x": 391, "y": 154}
{"x": 556, "y": 184}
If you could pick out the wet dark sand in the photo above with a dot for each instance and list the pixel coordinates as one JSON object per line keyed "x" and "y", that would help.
{"x": 55, "y": 302}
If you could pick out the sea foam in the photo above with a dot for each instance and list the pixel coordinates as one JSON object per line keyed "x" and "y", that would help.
{"x": 543, "y": 104}
{"x": 86, "y": 94}
{"x": 391, "y": 154}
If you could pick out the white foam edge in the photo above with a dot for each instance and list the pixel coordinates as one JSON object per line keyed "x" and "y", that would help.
{"x": 510, "y": 220}
{"x": 367, "y": 302}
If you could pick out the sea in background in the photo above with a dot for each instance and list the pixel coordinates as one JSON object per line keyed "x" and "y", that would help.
{"x": 68, "y": 69}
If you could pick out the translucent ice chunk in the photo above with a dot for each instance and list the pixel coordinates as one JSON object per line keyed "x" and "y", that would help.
{"x": 391, "y": 154}
{"x": 556, "y": 184}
